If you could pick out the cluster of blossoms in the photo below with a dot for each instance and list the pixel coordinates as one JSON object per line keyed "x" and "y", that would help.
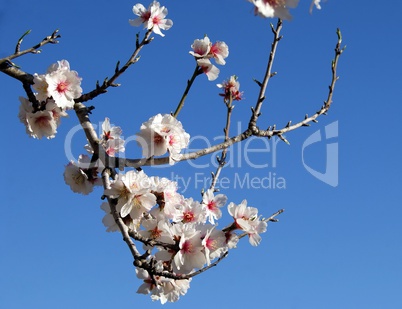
{"x": 152, "y": 18}
{"x": 161, "y": 134}
{"x": 231, "y": 90}
{"x": 204, "y": 50}
{"x": 42, "y": 121}
{"x": 184, "y": 230}
{"x": 83, "y": 175}
{"x": 180, "y": 235}
{"x": 110, "y": 139}
{"x": 56, "y": 91}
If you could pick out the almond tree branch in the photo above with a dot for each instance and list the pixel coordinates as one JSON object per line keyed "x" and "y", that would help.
{"x": 221, "y": 160}
{"x": 52, "y": 39}
{"x": 327, "y": 103}
{"x": 167, "y": 274}
{"x": 110, "y": 82}
{"x": 256, "y": 111}
{"x": 253, "y": 129}
{"x": 197, "y": 71}
{"x": 119, "y": 221}
{"x": 153, "y": 242}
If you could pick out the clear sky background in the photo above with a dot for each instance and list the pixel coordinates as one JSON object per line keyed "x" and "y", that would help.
{"x": 334, "y": 247}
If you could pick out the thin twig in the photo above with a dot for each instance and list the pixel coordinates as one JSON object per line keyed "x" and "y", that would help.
{"x": 50, "y": 39}
{"x": 110, "y": 82}
{"x": 263, "y": 86}
{"x": 190, "y": 82}
{"x": 222, "y": 159}
{"x": 253, "y": 130}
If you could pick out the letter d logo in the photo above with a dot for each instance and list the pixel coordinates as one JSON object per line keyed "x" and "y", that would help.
{"x": 330, "y": 176}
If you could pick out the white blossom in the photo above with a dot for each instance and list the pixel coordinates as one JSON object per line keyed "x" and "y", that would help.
{"x": 213, "y": 203}
{"x": 162, "y": 133}
{"x": 80, "y": 177}
{"x": 246, "y": 218}
{"x": 274, "y": 8}
{"x": 152, "y": 18}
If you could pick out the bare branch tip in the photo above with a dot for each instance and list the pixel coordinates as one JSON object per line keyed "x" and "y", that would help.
{"x": 257, "y": 82}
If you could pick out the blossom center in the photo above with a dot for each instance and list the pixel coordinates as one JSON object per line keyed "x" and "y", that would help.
{"x": 62, "y": 87}
{"x": 156, "y": 20}
{"x": 211, "y": 205}
{"x": 42, "y": 122}
{"x": 210, "y": 243}
{"x": 188, "y": 216}
{"x": 158, "y": 139}
{"x": 136, "y": 202}
{"x": 187, "y": 247}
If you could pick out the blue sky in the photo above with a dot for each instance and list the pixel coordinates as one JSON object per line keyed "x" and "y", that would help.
{"x": 334, "y": 247}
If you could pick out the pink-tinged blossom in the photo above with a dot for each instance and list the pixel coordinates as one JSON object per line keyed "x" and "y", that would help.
{"x": 274, "y": 8}
{"x": 162, "y": 133}
{"x": 152, "y": 18}
{"x": 214, "y": 242}
{"x": 63, "y": 85}
{"x": 213, "y": 204}
{"x": 191, "y": 253}
{"x": 133, "y": 192}
{"x": 208, "y": 68}
{"x": 156, "y": 230}
{"x": 172, "y": 207}
{"x": 110, "y": 139}
{"x": 193, "y": 211}
{"x": 219, "y": 51}
{"x": 80, "y": 176}
{"x": 41, "y": 123}
{"x": 231, "y": 90}
{"x": 143, "y": 15}
{"x": 246, "y": 219}
{"x": 204, "y": 50}
{"x": 201, "y": 48}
